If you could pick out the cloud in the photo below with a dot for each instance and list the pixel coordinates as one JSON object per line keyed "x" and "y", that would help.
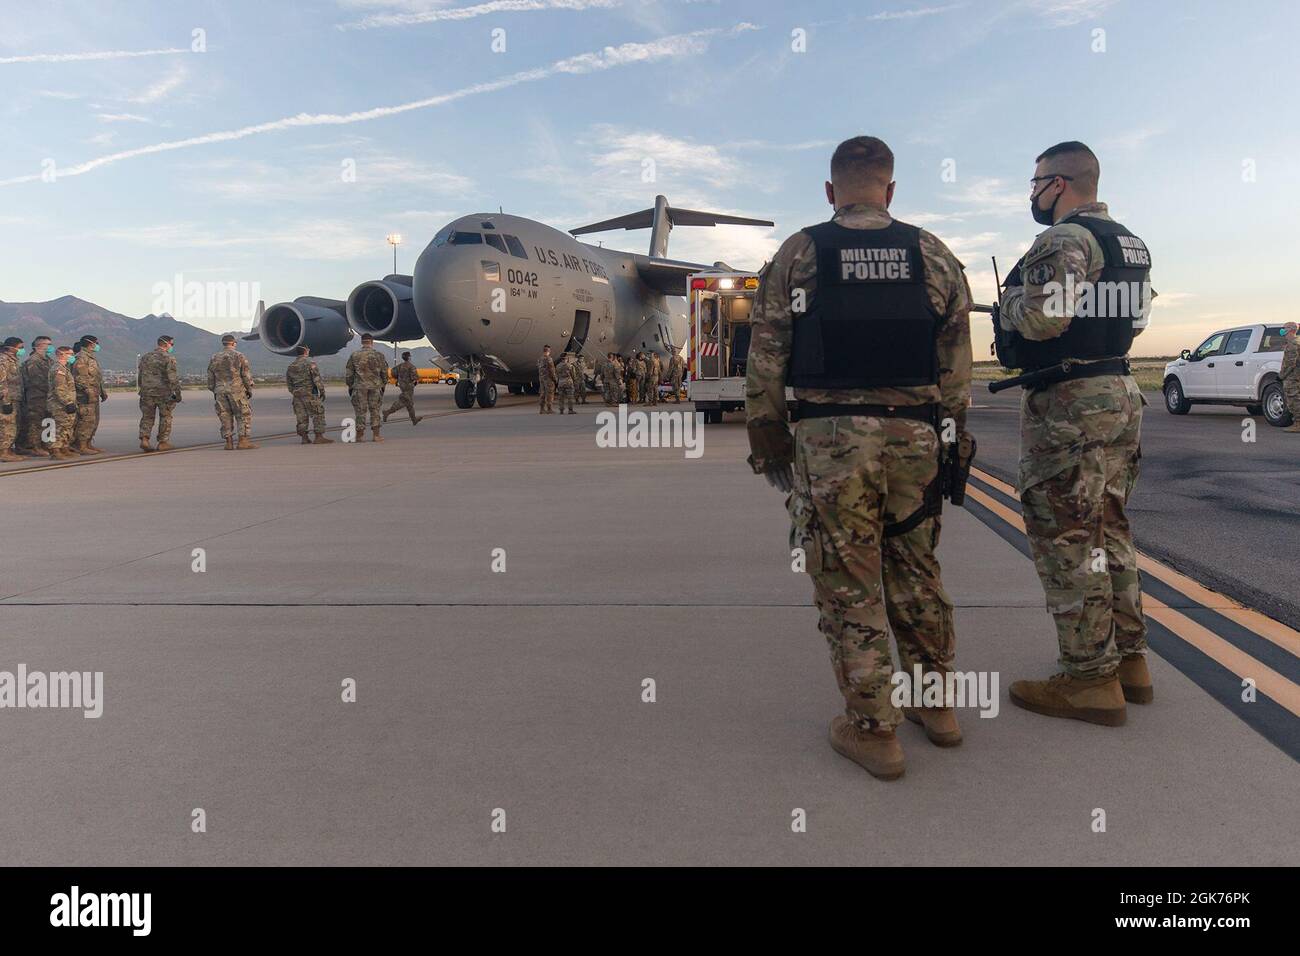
{"x": 469, "y": 12}
{"x": 256, "y": 181}
{"x": 163, "y": 86}
{"x": 629, "y": 153}
{"x": 679, "y": 45}
{"x": 80, "y": 57}
{"x": 1065, "y": 13}
{"x": 122, "y": 118}
{"x": 309, "y": 239}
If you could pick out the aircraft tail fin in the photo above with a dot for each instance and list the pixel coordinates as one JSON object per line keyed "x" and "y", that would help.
{"x": 660, "y": 220}
{"x": 254, "y": 331}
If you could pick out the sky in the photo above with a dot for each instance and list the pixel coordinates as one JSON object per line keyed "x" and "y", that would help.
{"x": 276, "y": 145}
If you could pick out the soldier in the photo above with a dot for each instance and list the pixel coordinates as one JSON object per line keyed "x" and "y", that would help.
{"x": 159, "y": 387}
{"x": 564, "y": 383}
{"x": 676, "y": 371}
{"x": 618, "y": 390}
{"x": 11, "y": 395}
{"x": 231, "y": 382}
{"x": 580, "y": 378}
{"x": 36, "y": 379}
{"x": 366, "y": 377}
{"x": 878, "y": 358}
{"x": 61, "y": 403}
{"x": 656, "y": 376}
{"x": 633, "y": 375}
{"x": 1290, "y": 375}
{"x": 1079, "y": 438}
{"x": 90, "y": 392}
{"x": 407, "y": 376}
{"x": 546, "y": 382}
{"x": 308, "y": 391}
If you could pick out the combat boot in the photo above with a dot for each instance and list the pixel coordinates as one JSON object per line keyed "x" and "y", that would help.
{"x": 940, "y": 724}
{"x": 305, "y": 439}
{"x": 377, "y": 436}
{"x": 878, "y": 752}
{"x": 230, "y": 444}
{"x": 1293, "y": 427}
{"x": 386, "y": 414}
{"x": 144, "y": 444}
{"x": 36, "y": 452}
{"x": 1098, "y": 701}
{"x": 84, "y": 451}
{"x": 418, "y": 419}
{"x": 1135, "y": 679}
{"x": 165, "y": 446}
{"x": 244, "y": 442}
{"x": 62, "y": 454}
{"x": 93, "y": 450}
{"x": 361, "y": 433}
{"x": 7, "y": 455}
{"x": 322, "y": 440}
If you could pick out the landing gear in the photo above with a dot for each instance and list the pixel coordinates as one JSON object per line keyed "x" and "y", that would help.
{"x": 487, "y": 393}
{"x": 464, "y": 394}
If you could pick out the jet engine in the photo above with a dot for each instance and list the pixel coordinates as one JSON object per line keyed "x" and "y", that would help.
{"x": 319, "y": 324}
{"x": 383, "y": 307}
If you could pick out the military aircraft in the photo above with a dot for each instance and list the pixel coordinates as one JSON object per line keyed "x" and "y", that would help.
{"x": 491, "y": 289}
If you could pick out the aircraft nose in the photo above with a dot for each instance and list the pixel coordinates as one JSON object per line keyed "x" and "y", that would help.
{"x": 444, "y": 289}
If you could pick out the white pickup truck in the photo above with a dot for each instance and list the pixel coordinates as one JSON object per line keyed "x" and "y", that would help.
{"x": 1234, "y": 367}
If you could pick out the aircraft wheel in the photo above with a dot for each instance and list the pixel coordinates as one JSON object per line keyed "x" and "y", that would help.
{"x": 487, "y": 394}
{"x": 464, "y": 395}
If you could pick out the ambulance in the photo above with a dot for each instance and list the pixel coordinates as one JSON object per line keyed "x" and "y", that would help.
{"x": 720, "y": 304}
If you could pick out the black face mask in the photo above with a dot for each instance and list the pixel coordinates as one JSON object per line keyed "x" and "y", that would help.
{"x": 1044, "y": 217}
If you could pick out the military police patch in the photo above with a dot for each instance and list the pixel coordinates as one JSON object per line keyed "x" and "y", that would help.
{"x": 1040, "y": 274}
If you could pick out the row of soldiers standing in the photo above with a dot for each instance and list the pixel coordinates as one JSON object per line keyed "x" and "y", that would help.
{"x": 634, "y": 380}
{"x": 49, "y": 401}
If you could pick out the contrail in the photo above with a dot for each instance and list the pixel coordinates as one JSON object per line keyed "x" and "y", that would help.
{"x": 101, "y": 55}
{"x": 476, "y": 10}
{"x": 625, "y": 54}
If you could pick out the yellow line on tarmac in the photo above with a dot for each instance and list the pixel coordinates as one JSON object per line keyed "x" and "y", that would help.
{"x": 1273, "y": 631}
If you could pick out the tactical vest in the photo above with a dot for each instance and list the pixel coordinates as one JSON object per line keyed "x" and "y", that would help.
{"x": 869, "y": 322}
{"x": 1117, "y": 298}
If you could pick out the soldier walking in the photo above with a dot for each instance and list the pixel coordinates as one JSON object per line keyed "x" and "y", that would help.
{"x": 159, "y": 387}
{"x": 231, "y": 382}
{"x": 366, "y": 376}
{"x": 407, "y": 377}
{"x": 308, "y": 391}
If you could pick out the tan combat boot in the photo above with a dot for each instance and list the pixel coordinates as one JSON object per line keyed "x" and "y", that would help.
{"x": 93, "y": 450}
{"x": 305, "y": 439}
{"x": 361, "y": 433}
{"x": 63, "y": 454}
{"x": 84, "y": 451}
{"x": 1098, "y": 701}
{"x": 1293, "y": 427}
{"x": 878, "y": 752}
{"x": 322, "y": 440}
{"x": 230, "y": 444}
{"x": 418, "y": 419}
{"x": 144, "y": 444}
{"x": 940, "y": 724}
{"x": 1135, "y": 679}
{"x": 7, "y": 455}
{"x": 165, "y": 446}
{"x": 37, "y": 452}
{"x": 244, "y": 442}
{"x": 377, "y": 436}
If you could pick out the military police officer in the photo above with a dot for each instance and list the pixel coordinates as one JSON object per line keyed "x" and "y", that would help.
{"x": 1071, "y": 308}
{"x": 231, "y": 382}
{"x": 11, "y": 395}
{"x": 366, "y": 376}
{"x": 868, "y": 318}
{"x": 159, "y": 387}
{"x": 308, "y": 391}
{"x": 407, "y": 377}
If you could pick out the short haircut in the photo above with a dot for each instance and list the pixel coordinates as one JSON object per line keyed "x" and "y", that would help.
{"x": 406, "y": 355}
{"x": 77, "y": 347}
{"x": 41, "y": 338}
{"x": 64, "y": 348}
{"x": 13, "y": 340}
{"x": 367, "y": 337}
{"x": 89, "y": 339}
{"x": 862, "y": 161}
{"x": 227, "y": 339}
{"x": 1075, "y": 160}
{"x": 164, "y": 339}
{"x": 301, "y": 349}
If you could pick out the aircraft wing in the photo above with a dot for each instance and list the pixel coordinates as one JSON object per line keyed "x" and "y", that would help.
{"x": 667, "y": 276}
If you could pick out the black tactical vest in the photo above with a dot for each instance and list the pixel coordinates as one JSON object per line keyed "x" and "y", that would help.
{"x": 1116, "y": 301}
{"x": 869, "y": 322}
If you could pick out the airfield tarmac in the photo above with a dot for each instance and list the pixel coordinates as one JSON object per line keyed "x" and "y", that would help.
{"x": 522, "y": 691}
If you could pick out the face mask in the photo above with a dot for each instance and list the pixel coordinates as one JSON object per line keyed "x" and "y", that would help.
{"x": 49, "y": 350}
{"x": 96, "y": 348}
{"x": 1044, "y": 217}
{"x": 72, "y": 359}
{"x": 22, "y": 352}
{"x": 171, "y": 349}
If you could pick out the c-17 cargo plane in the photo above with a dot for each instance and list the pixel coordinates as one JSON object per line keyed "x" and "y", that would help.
{"x": 491, "y": 289}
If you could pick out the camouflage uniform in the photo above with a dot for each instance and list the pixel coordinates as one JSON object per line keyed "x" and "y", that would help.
{"x": 159, "y": 386}
{"x": 231, "y": 382}
{"x": 580, "y": 379}
{"x": 676, "y": 371}
{"x": 36, "y": 384}
{"x": 618, "y": 390}
{"x": 90, "y": 392}
{"x": 564, "y": 384}
{"x": 308, "y": 391}
{"x": 546, "y": 382}
{"x": 407, "y": 376}
{"x": 855, "y": 474}
{"x": 11, "y": 398}
{"x": 1079, "y": 452}
{"x": 61, "y": 403}
{"x": 633, "y": 377}
{"x": 654, "y": 373}
{"x": 366, "y": 375}
{"x": 1290, "y": 375}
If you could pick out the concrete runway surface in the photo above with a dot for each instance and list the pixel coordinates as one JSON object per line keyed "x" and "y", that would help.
{"x": 522, "y": 691}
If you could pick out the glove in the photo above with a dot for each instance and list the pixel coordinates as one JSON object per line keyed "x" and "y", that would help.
{"x": 7, "y": 408}
{"x": 780, "y": 477}
{"x": 70, "y": 408}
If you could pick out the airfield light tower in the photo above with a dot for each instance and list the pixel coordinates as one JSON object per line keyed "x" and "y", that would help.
{"x": 394, "y": 239}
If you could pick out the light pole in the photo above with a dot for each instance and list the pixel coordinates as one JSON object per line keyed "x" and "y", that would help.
{"x": 394, "y": 239}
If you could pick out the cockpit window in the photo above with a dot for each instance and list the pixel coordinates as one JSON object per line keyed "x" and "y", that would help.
{"x": 466, "y": 239}
{"x": 516, "y": 247}
{"x": 441, "y": 238}
{"x": 491, "y": 270}
{"x": 496, "y": 242}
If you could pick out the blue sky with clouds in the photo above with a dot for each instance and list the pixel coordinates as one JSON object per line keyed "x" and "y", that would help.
{"x": 233, "y": 164}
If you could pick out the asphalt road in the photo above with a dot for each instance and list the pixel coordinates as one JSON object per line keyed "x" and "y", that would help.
{"x": 1218, "y": 508}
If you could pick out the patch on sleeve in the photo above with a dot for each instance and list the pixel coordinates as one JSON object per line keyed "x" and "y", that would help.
{"x": 1040, "y": 273}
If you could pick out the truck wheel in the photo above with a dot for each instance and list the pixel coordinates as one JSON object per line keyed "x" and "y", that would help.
{"x": 1175, "y": 401}
{"x": 1275, "y": 412}
{"x": 464, "y": 395}
{"x": 487, "y": 394}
